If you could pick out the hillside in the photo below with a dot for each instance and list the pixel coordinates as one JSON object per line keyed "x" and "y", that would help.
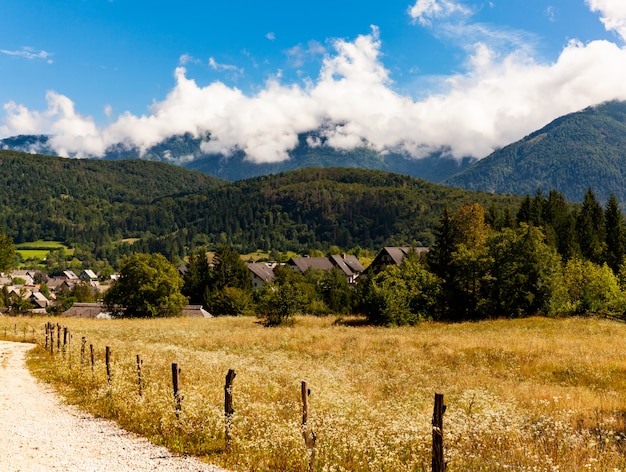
{"x": 312, "y": 208}
{"x": 79, "y": 200}
{"x": 92, "y": 204}
{"x": 186, "y": 151}
{"x": 571, "y": 154}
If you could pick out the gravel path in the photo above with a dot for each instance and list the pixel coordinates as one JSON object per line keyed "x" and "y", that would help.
{"x": 39, "y": 433}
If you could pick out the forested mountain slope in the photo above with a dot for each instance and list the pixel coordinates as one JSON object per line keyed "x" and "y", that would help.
{"x": 95, "y": 204}
{"x": 578, "y": 151}
{"x": 315, "y": 208}
{"x": 44, "y": 197}
{"x": 186, "y": 151}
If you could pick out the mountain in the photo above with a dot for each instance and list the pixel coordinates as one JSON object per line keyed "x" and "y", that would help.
{"x": 575, "y": 152}
{"x": 97, "y": 205}
{"x": 185, "y": 150}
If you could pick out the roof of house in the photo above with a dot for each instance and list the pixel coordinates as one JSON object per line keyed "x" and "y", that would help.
{"x": 70, "y": 275}
{"x": 196, "y": 311}
{"x": 98, "y": 310}
{"x": 87, "y": 310}
{"x": 349, "y": 265}
{"x": 262, "y": 271}
{"x": 89, "y": 274}
{"x": 305, "y": 263}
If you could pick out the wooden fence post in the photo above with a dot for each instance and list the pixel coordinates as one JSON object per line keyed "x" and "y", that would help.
{"x": 47, "y": 334}
{"x": 139, "y": 379}
{"x": 228, "y": 406}
{"x": 51, "y": 339}
{"x": 83, "y": 341}
{"x": 307, "y": 434}
{"x": 64, "y": 339}
{"x": 107, "y": 358}
{"x": 175, "y": 383}
{"x": 438, "y": 464}
{"x": 93, "y": 362}
{"x": 58, "y": 337}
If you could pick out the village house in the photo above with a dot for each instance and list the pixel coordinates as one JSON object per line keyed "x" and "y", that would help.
{"x": 349, "y": 265}
{"x": 89, "y": 275}
{"x": 393, "y": 255}
{"x": 260, "y": 274}
{"x": 99, "y": 311}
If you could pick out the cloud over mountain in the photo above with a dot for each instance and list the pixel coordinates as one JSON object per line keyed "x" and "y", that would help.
{"x": 500, "y": 96}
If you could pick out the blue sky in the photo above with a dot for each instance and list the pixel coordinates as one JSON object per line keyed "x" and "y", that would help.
{"x": 401, "y": 75}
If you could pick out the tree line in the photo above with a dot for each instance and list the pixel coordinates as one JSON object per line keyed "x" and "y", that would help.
{"x": 548, "y": 258}
{"x": 551, "y": 258}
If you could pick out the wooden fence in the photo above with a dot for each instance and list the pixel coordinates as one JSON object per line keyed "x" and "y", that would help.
{"x": 58, "y": 338}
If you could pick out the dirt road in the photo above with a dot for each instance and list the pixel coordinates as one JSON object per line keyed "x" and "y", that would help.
{"x": 39, "y": 433}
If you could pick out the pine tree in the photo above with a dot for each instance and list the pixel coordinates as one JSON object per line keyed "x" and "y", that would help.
{"x": 440, "y": 256}
{"x": 614, "y": 224}
{"x": 590, "y": 228}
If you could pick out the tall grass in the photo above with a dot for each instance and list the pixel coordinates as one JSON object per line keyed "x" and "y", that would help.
{"x": 526, "y": 395}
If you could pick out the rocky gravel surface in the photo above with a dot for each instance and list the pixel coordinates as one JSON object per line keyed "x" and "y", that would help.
{"x": 39, "y": 433}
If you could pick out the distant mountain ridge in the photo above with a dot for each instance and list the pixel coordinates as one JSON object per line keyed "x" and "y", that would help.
{"x": 185, "y": 150}
{"x": 581, "y": 150}
{"x": 573, "y": 153}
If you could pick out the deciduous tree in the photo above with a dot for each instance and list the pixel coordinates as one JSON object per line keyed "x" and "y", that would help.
{"x": 149, "y": 286}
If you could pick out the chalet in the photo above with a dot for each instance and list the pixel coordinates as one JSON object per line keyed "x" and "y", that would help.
{"x": 38, "y": 300}
{"x": 32, "y": 294}
{"x": 70, "y": 275}
{"x": 349, "y": 265}
{"x": 393, "y": 255}
{"x": 89, "y": 275}
{"x": 26, "y": 275}
{"x": 87, "y": 310}
{"x": 260, "y": 274}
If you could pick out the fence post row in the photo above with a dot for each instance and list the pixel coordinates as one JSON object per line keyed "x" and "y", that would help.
{"x": 438, "y": 464}
{"x": 308, "y": 435}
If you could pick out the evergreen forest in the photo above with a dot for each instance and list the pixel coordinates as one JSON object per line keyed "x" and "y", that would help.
{"x": 107, "y": 209}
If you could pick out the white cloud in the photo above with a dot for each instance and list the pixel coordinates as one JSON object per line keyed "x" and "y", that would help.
{"x": 613, "y": 14}
{"x": 271, "y": 36}
{"x": 188, "y": 58}
{"x": 29, "y": 53}
{"x": 424, "y": 11}
{"x": 299, "y": 54}
{"x": 499, "y": 98}
{"x": 223, "y": 67}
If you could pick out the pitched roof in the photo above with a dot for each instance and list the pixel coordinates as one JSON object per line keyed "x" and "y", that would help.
{"x": 87, "y": 310}
{"x": 70, "y": 275}
{"x": 88, "y": 273}
{"x": 349, "y": 265}
{"x": 98, "y": 310}
{"x": 354, "y": 263}
{"x": 305, "y": 263}
{"x": 195, "y": 311}
{"x": 262, "y": 271}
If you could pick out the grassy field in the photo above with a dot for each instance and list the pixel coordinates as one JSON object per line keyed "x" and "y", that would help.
{"x": 525, "y": 395}
{"x": 38, "y": 250}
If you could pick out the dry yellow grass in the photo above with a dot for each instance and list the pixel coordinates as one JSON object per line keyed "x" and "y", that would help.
{"x": 526, "y": 395}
